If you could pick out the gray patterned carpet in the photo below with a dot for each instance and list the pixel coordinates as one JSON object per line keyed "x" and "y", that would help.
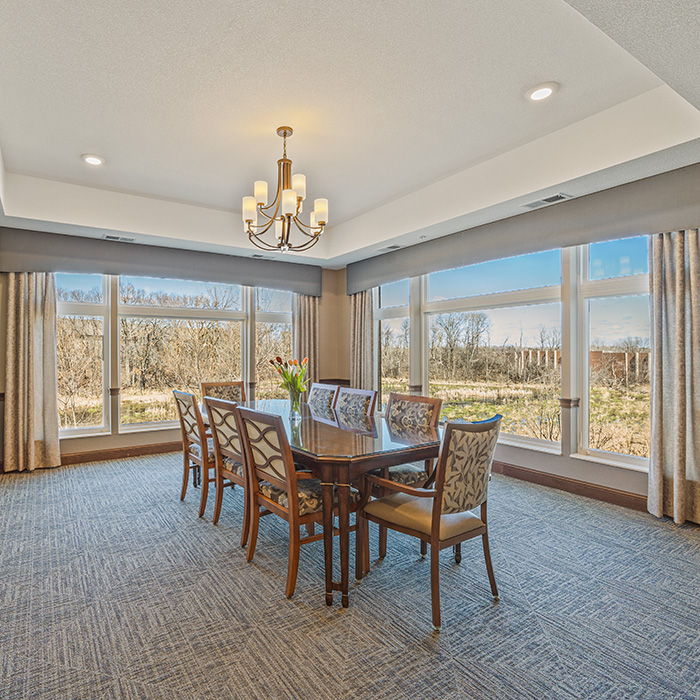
{"x": 110, "y": 587}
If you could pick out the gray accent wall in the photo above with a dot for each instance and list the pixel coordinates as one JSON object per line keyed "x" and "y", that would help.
{"x": 22, "y": 250}
{"x": 666, "y": 202}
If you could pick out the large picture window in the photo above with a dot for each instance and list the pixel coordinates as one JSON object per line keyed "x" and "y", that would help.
{"x": 273, "y": 338}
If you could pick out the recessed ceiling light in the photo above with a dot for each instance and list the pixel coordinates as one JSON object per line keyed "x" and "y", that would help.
{"x": 92, "y": 159}
{"x": 542, "y": 92}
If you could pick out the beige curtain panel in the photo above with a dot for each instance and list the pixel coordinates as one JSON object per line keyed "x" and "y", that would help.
{"x": 305, "y": 332}
{"x": 361, "y": 340}
{"x": 31, "y": 403}
{"x": 674, "y": 468}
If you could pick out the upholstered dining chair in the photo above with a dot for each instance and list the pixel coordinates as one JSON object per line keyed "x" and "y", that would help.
{"x": 440, "y": 516}
{"x": 404, "y": 412}
{"x": 229, "y": 391}
{"x": 228, "y": 452}
{"x": 276, "y": 486}
{"x": 355, "y": 401}
{"x": 197, "y": 448}
{"x": 322, "y": 397}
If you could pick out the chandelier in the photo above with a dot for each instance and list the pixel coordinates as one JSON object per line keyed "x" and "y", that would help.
{"x": 284, "y": 210}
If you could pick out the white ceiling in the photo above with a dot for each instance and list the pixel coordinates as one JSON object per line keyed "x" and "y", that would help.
{"x": 409, "y": 116}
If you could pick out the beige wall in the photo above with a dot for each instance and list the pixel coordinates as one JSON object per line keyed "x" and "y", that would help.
{"x": 334, "y": 326}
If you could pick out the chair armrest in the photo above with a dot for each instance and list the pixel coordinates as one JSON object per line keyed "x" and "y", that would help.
{"x": 394, "y": 486}
{"x": 304, "y": 475}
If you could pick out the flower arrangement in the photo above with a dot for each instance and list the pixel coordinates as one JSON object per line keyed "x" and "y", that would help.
{"x": 293, "y": 374}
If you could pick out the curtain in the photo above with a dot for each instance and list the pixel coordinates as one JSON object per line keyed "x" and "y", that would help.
{"x": 674, "y": 467}
{"x": 361, "y": 340}
{"x": 31, "y": 404}
{"x": 305, "y": 332}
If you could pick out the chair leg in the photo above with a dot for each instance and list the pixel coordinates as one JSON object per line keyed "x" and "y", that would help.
{"x": 382, "y": 541}
{"x": 185, "y": 477}
{"x": 293, "y": 565}
{"x": 219, "y": 485}
{"x": 458, "y": 552}
{"x": 489, "y": 566}
{"x": 254, "y": 518}
{"x": 360, "y": 526}
{"x": 423, "y": 549}
{"x": 435, "y": 584}
{"x": 246, "y": 519}
{"x": 205, "y": 491}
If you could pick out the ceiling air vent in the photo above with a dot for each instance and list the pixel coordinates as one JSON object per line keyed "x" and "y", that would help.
{"x": 388, "y": 248}
{"x": 121, "y": 239}
{"x": 552, "y": 199}
{"x": 260, "y": 257}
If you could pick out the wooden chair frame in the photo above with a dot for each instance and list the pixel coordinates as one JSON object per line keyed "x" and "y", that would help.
{"x": 205, "y": 386}
{"x": 220, "y": 412}
{"x": 433, "y": 423}
{"x": 194, "y": 433}
{"x": 433, "y": 539}
{"x": 359, "y": 392}
{"x": 287, "y": 481}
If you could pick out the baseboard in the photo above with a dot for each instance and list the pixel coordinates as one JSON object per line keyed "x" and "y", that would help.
{"x": 117, "y": 452}
{"x": 580, "y": 488}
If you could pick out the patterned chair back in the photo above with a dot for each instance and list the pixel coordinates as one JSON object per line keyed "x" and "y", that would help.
{"x": 266, "y": 449}
{"x": 406, "y": 410}
{"x": 355, "y": 402}
{"x": 229, "y": 391}
{"x": 224, "y": 428}
{"x": 322, "y": 397}
{"x": 191, "y": 422}
{"x": 464, "y": 465}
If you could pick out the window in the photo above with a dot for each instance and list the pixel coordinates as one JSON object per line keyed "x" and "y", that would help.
{"x": 81, "y": 349}
{"x": 174, "y": 333}
{"x": 506, "y": 275}
{"x": 393, "y": 339}
{"x": 620, "y": 258}
{"x": 273, "y": 338}
{"x": 494, "y": 343}
{"x": 394, "y": 294}
{"x": 506, "y": 361}
{"x": 618, "y": 374}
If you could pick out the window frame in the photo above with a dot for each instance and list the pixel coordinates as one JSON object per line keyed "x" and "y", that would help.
{"x": 588, "y": 289}
{"x": 99, "y": 310}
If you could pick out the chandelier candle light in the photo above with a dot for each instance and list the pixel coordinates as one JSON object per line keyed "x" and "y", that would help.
{"x": 284, "y": 210}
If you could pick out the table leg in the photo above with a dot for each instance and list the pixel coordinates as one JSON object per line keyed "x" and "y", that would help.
{"x": 344, "y": 527}
{"x": 327, "y": 495}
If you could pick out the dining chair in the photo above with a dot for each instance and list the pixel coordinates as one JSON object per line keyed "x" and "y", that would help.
{"x": 228, "y": 452}
{"x": 355, "y": 401}
{"x": 229, "y": 391}
{"x": 441, "y": 516}
{"x": 197, "y": 448}
{"x": 322, "y": 397}
{"x": 277, "y": 487}
{"x": 406, "y": 412}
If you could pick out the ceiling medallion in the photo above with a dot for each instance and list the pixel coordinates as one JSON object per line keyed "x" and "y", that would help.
{"x": 284, "y": 210}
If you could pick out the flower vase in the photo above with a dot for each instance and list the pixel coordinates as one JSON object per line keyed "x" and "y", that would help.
{"x": 294, "y": 405}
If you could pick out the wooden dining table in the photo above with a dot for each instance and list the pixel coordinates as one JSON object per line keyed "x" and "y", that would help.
{"x": 339, "y": 449}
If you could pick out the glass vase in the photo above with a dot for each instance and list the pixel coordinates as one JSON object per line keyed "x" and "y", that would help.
{"x": 294, "y": 404}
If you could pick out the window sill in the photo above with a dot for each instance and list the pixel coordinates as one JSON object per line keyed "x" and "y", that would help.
{"x": 552, "y": 448}
{"x": 637, "y": 464}
{"x": 148, "y": 427}
{"x": 83, "y": 434}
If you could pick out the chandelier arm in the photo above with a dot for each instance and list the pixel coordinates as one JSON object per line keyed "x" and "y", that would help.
{"x": 264, "y": 227}
{"x": 301, "y": 226}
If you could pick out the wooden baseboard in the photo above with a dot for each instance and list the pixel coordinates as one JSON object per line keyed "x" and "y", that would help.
{"x": 117, "y": 452}
{"x": 580, "y": 488}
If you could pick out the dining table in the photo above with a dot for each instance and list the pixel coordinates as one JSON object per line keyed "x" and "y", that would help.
{"x": 339, "y": 448}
